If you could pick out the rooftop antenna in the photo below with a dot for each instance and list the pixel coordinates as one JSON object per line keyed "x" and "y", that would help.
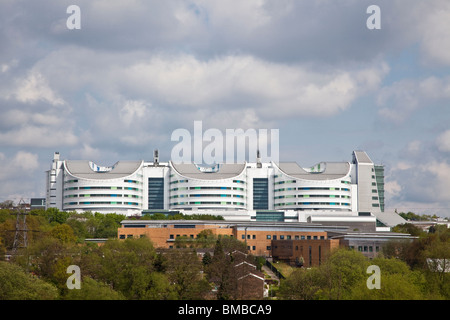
{"x": 155, "y": 157}
{"x": 258, "y": 159}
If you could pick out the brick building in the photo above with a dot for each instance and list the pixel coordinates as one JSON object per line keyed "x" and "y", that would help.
{"x": 307, "y": 253}
{"x": 257, "y": 236}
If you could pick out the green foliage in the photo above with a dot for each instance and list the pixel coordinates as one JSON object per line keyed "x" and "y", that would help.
{"x": 53, "y": 215}
{"x": 408, "y": 228}
{"x": 64, "y": 233}
{"x": 344, "y": 276}
{"x": 126, "y": 266}
{"x": 415, "y": 217}
{"x": 183, "y": 269}
{"x": 93, "y": 290}
{"x": 16, "y": 284}
{"x": 302, "y": 284}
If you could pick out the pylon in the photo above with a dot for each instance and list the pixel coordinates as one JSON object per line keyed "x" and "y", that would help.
{"x": 21, "y": 235}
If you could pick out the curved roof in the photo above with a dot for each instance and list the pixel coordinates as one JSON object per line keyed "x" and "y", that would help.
{"x": 82, "y": 169}
{"x": 225, "y": 171}
{"x": 333, "y": 170}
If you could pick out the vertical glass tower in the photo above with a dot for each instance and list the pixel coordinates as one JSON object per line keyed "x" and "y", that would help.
{"x": 155, "y": 193}
{"x": 260, "y": 194}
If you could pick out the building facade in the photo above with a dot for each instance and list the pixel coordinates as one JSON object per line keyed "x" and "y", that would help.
{"x": 296, "y": 243}
{"x": 258, "y": 236}
{"x": 240, "y": 191}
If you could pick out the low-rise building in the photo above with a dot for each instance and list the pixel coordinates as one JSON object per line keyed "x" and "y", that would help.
{"x": 257, "y": 236}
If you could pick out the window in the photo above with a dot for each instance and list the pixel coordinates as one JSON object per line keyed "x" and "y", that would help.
{"x": 260, "y": 193}
{"x": 268, "y": 248}
{"x": 254, "y": 236}
{"x": 315, "y": 237}
{"x": 274, "y": 237}
{"x": 254, "y": 248}
{"x": 122, "y": 236}
{"x": 243, "y": 237}
{"x": 308, "y": 237}
{"x": 268, "y": 237}
{"x": 281, "y": 237}
{"x": 310, "y": 255}
{"x": 171, "y": 236}
{"x": 156, "y": 193}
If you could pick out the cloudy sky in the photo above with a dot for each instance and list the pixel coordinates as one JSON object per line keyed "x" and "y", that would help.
{"x": 137, "y": 70}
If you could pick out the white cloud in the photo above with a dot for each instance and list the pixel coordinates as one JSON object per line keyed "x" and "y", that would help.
{"x": 239, "y": 82}
{"x": 22, "y": 161}
{"x": 435, "y": 32}
{"x": 443, "y": 141}
{"x": 26, "y": 160}
{"x": 133, "y": 111}
{"x": 35, "y": 136}
{"x": 392, "y": 189}
{"x": 35, "y": 88}
{"x": 399, "y": 100}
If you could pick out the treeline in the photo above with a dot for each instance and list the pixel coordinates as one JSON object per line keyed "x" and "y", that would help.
{"x": 409, "y": 270}
{"x": 411, "y": 216}
{"x": 78, "y": 226}
{"x": 130, "y": 269}
{"x": 133, "y": 269}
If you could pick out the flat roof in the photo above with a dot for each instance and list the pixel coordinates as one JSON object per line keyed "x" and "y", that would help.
{"x": 362, "y": 157}
{"x": 262, "y": 225}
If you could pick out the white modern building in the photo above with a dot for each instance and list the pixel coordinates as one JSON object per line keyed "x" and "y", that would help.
{"x": 240, "y": 191}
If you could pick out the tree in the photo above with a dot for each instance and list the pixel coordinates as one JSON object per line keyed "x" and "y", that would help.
{"x": 397, "y": 282}
{"x": 16, "y": 284}
{"x": 207, "y": 259}
{"x": 184, "y": 272}
{"x": 302, "y": 284}
{"x": 53, "y": 215}
{"x": 221, "y": 272}
{"x": 93, "y": 290}
{"x": 7, "y": 204}
{"x": 64, "y": 233}
{"x": 340, "y": 272}
{"x": 408, "y": 228}
{"x": 126, "y": 265}
{"x": 43, "y": 257}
